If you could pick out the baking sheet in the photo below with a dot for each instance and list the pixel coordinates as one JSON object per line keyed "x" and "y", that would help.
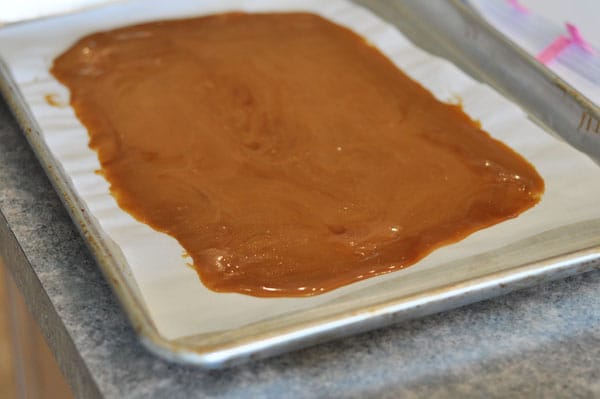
{"x": 178, "y": 304}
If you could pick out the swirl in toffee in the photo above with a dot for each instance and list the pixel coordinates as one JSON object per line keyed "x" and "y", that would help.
{"x": 285, "y": 154}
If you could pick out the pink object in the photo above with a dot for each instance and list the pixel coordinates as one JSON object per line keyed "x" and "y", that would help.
{"x": 562, "y": 42}
{"x": 518, "y": 6}
{"x": 554, "y": 49}
{"x": 578, "y": 39}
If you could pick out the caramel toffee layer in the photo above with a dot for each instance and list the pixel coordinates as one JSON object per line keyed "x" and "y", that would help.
{"x": 284, "y": 153}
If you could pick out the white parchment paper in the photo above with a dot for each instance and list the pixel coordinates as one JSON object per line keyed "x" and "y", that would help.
{"x": 176, "y": 299}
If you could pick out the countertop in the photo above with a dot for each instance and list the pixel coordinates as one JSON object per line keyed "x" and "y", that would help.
{"x": 538, "y": 342}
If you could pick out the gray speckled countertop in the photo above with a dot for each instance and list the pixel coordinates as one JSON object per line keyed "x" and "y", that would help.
{"x": 538, "y": 342}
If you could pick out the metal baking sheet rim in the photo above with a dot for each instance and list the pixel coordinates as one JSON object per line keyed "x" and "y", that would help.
{"x": 191, "y": 350}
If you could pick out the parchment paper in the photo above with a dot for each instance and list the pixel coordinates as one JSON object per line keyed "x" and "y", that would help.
{"x": 177, "y": 301}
